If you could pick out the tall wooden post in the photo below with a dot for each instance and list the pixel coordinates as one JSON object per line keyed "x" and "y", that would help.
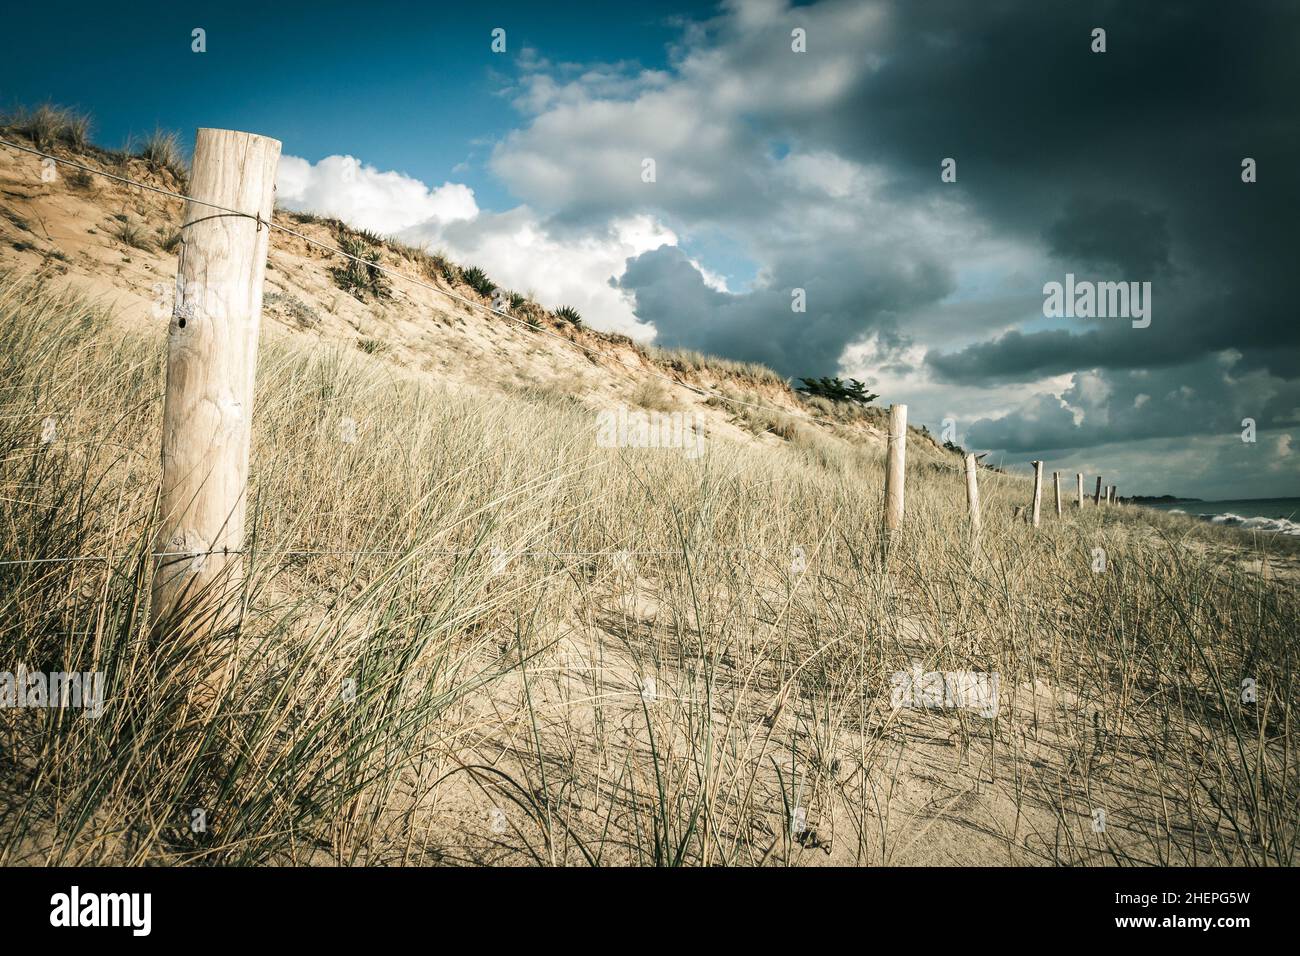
{"x": 1079, "y": 479}
{"x": 1096, "y": 498}
{"x": 896, "y": 452}
{"x": 1038, "y": 491}
{"x": 1056, "y": 486}
{"x": 1110, "y": 494}
{"x": 972, "y": 493}
{"x": 211, "y": 362}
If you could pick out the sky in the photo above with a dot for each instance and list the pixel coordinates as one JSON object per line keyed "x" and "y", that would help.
{"x": 917, "y": 173}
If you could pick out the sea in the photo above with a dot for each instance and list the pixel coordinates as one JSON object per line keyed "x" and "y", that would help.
{"x": 1280, "y": 515}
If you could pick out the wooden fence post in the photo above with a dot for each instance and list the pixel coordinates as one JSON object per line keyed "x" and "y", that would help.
{"x": 1056, "y": 486}
{"x": 211, "y": 363}
{"x": 1038, "y": 491}
{"x": 1079, "y": 478}
{"x": 896, "y": 452}
{"x": 1096, "y": 498}
{"x": 972, "y": 493}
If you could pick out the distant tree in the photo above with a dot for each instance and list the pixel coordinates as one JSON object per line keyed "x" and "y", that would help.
{"x": 837, "y": 390}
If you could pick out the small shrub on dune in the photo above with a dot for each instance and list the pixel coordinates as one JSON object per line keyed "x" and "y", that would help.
{"x": 449, "y": 270}
{"x": 169, "y": 240}
{"x": 530, "y": 312}
{"x": 358, "y": 274}
{"x": 650, "y": 394}
{"x": 366, "y": 235}
{"x": 432, "y": 264}
{"x": 48, "y": 126}
{"x": 477, "y": 279}
{"x": 80, "y": 179}
{"x": 130, "y": 233}
{"x": 161, "y": 150}
{"x": 300, "y": 311}
{"x": 567, "y": 313}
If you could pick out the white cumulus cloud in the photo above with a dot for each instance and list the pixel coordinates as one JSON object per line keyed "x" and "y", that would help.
{"x": 522, "y": 252}
{"x": 363, "y": 196}
{"x": 517, "y": 248}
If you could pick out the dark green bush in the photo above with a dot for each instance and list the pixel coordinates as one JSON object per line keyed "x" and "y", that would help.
{"x": 569, "y": 314}
{"x": 477, "y": 279}
{"x": 837, "y": 390}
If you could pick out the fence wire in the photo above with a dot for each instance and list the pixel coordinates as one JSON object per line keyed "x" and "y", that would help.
{"x": 396, "y": 274}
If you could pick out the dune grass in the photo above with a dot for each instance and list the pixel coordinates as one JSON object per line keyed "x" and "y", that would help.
{"x": 162, "y": 151}
{"x": 48, "y": 126}
{"x": 689, "y": 360}
{"x": 469, "y": 635}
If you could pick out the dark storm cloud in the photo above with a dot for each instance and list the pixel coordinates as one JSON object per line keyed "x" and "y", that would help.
{"x": 1129, "y": 158}
{"x": 761, "y": 326}
{"x": 1117, "y": 232}
{"x": 1050, "y": 353}
{"x": 1206, "y": 397}
{"x": 1123, "y": 166}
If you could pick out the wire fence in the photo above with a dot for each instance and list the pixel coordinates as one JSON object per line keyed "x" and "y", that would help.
{"x": 613, "y": 554}
{"x": 413, "y": 280}
{"x": 416, "y": 281}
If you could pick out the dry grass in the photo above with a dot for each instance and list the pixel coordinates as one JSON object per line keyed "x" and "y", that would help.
{"x": 161, "y": 150}
{"x": 526, "y": 693}
{"x": 689, "y": 361}
{"x": 752, "y": 412}
{"x": 130, "y": 232}
{"x": 48, "y": 126}
{"x": 651, "y": 394}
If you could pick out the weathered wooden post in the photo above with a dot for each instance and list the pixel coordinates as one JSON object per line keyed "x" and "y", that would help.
{"x": 208, "y": 408}
{"x": 1079, "y": 478}
{"x": 1110, "y": 494}
{"x": 972, "y": 493}
{"x": 1096, "y": 498}
{"x": 1056, "y": 486}
{"x": 1038, "y": 491}
{"x": 895, "y": 455}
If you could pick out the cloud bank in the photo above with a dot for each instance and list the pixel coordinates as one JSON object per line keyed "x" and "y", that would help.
{"x": 779, "y": 173}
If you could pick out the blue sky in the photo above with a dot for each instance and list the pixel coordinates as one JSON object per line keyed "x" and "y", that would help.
{"x": 412, "y": 86}
{"x": 816, "y": 168}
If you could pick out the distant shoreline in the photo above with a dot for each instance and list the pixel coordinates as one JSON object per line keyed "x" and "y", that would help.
{"x": 1277, "y": 515}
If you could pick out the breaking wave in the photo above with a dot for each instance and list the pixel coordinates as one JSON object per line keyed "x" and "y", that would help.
{"x": 1275, "y": 525}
